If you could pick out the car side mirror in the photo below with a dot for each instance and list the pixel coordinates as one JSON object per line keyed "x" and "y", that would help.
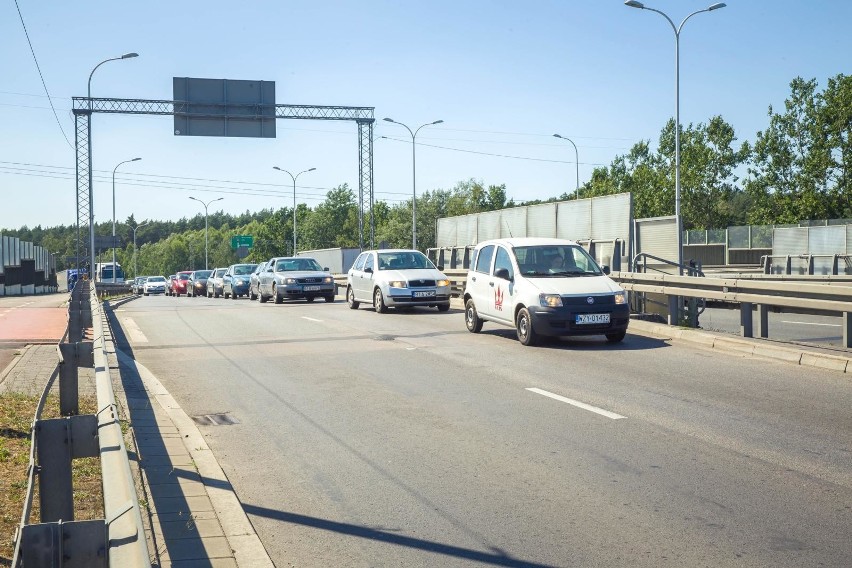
{"x": 502, "y": 273}
{"x": 441, "y": 267}
{"x": 605, "y": 268}
{"x": 325, "y": 268}
{"x": 368, "y": 270}
{"x": 269, "y": 270}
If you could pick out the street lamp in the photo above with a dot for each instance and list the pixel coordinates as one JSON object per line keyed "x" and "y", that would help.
{"x": 205, "y": 223}
{"x": 676, "y": 29}
{"x": 113, "y": 215}
{"x": 413, "y": 178}
{"x": 576, "y": 162}
{"x": 91, "y": 200}
{"x": 135, "y": 263}
{"x": 294, "y": 178}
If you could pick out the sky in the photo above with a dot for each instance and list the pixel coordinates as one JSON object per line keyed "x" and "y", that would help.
{"x": 504, "y": 76}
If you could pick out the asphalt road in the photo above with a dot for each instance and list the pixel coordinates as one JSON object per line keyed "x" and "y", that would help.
{"x": 403, "y": 440}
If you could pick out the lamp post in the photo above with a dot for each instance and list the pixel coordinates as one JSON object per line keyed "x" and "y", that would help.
{"x": 135, "y": 263}
{"x": 413, "y": 177}
{"x": 205, "y": 223}
{"x": 676, "y": 29}
{"x": 91, "y": 200}
{"x": 576, "y": 162}
{"x": 113, "y": 215}
{"x": 294, "y": 178}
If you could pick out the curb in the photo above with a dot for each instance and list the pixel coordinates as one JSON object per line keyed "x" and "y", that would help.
{"x": 5, "y": 372}
{"x": 753, "y": 347}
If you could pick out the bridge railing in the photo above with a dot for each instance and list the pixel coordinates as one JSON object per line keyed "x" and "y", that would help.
{"x": 57, "y": 540}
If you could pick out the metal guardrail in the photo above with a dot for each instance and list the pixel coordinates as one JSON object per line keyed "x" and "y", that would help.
{"x": 58, "y": 541}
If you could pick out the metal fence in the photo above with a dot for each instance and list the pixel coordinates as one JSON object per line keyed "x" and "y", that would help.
{"x": 57, "y": 540}
{"x": 25, "y": 268}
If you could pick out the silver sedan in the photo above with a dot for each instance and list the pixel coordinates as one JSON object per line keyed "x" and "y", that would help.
{"x": 295, "y": 278}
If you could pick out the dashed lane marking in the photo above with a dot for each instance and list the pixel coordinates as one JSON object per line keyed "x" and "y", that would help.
{"x": 577, "y": 403}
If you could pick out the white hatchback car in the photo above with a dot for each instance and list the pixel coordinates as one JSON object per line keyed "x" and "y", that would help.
{"x": 396, "y": 278}
{"x": 543, "y": 287}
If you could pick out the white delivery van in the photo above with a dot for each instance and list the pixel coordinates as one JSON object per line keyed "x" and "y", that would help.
{"x": 543, "y": 287}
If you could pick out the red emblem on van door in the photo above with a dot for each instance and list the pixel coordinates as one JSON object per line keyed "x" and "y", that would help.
{"x": 498, "y": 299}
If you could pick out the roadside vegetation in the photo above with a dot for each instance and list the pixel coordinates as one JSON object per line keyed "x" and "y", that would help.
{"x": 16, "y": 415}
{"x": 799, "y": 167}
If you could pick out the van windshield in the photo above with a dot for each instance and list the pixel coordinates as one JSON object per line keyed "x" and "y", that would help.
{"x": 556, "y": 261}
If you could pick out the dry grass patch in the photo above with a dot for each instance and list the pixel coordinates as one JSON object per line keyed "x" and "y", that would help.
{"x": 16, "y": 415}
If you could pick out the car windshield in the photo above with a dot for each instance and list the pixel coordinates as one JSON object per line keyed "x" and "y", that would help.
{"x": 219, "y": 273}
{"x": 555, "y": 261}
{"x": 242, "y": 269}
{"x": 183, "y": 276}
{"x": 296, "y": 264}
{"x": 156, "y": 279}
{"x": 405, "y": 260}
{"x": 203, "y": 274}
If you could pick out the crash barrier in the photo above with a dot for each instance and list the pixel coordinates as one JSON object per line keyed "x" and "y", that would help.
{"x": 748, "y": 293}
{"x": 57, "y": 540}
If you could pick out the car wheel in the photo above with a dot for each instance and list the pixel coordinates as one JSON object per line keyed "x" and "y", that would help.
{"x": 310, "y": 299}
{"x": 379, "y": 302}
{"x": 350, "y": 299}
{"x": 616, "y": 337}
{"x": 252, "y": 296}
{"x": 233, "y": 296}
{"x": 523, "y": 326}
{"x": 278, "y": 298}
{"x": 146, "y": 293}
{"x": 329, "y": 298}
{"x": 471, "y": 317}
{"x": 444, "y": 307}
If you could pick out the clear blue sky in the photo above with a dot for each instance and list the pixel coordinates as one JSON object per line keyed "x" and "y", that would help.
{"x": 503, "y": 75}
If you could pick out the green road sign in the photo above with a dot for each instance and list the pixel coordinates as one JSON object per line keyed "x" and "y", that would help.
{"x": 242, "y": 241}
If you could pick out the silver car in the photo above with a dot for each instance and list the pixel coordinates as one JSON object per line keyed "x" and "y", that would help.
{"x": 397, "y": 278}
{"x": 294, "y": 278}
{"x": 154, "y": 285}
{"x": 254, "y": 281}
{"x": 214, "y": 282}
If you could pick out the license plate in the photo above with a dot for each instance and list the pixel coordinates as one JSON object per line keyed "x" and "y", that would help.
{"x": 592, "y": 318}
{"x": 425, "y": 294}
{"x": 311, "y": 288}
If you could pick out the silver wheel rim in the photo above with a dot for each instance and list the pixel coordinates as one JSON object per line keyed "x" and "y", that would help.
{"x": 522, "y": 326}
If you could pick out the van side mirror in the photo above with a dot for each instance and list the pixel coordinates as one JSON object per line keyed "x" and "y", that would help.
{"x": 502, "y": 273}
{"x": 605, "y": 268}
{"x": 369, "y": 270}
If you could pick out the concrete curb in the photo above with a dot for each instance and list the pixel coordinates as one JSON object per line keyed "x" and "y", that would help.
{"x": 753, "y": 347}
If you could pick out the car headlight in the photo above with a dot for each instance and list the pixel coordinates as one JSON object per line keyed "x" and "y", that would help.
{"x": 550, "y": 300}
{"x": 327, "y": 280}
{"x": 289, "y": 281}
{"x": 442, "y": 283}
{"x": 240, "y": 282}
{"x": 398, "y": 284}
{"x": 621, "y": 298}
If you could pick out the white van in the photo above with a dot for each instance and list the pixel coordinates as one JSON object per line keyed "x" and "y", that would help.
{"x": 543, "y": 287}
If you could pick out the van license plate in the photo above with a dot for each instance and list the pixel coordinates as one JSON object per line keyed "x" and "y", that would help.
{"x": 425, "y": 294}
{"x": 311, "y": 288}
{"x": 592, "y": 318}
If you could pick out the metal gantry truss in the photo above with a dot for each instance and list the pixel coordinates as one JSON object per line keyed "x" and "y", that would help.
{"x": 83, "y": 107}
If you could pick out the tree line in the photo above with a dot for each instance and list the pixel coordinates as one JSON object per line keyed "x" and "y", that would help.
{"x": 797, "y": 168}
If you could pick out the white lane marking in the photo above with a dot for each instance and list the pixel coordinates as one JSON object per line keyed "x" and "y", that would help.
{"x": 812, "y": 323}
{"x": 133, "y": 331}
{"x": 577, "y": 403}
{"x": 310, "y": 319}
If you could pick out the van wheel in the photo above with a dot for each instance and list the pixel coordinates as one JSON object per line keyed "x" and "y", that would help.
{"x": 379, "y": 302}
{"x": 471, "y": 317}
{"x": 523, "y": 325}
{"x": 350, "y": 299}
{"x": 616, "y": 337}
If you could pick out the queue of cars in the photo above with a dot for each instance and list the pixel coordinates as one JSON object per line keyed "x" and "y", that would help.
{"x": 539, "y": 286}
